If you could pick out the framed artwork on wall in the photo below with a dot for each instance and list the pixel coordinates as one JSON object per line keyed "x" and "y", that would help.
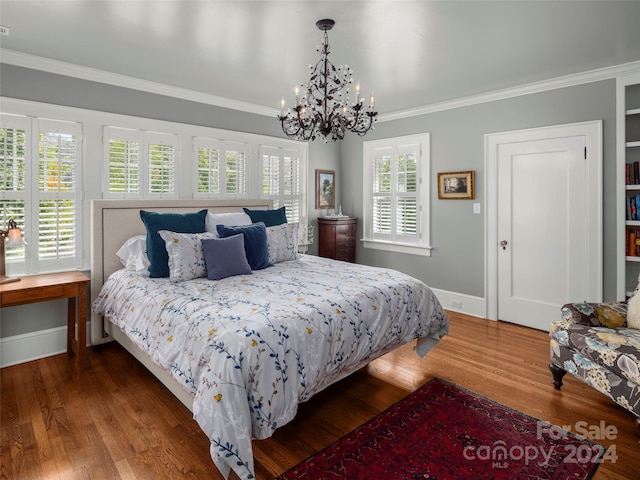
{"x": 325, "y": 189}
{"x": 456, "y": 185}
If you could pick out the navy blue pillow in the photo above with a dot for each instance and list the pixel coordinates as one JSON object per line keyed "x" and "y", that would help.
{"x": 174, "y": 222}
{"x": 270, "y": 218}
{"x": 255, "y": 242}
{"x": 225, "y": 257}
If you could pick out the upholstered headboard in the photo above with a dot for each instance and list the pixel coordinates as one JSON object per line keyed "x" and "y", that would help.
{"x": 115, "y": 221}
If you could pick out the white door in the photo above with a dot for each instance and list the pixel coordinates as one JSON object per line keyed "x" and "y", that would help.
{"x": 541, "y": 228}
{"x": 547, "y": 239}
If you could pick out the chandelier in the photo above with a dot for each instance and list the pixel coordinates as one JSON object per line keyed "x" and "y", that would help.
{"x": 324, "y": 109}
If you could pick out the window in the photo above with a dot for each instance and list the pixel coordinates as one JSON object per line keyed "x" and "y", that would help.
{"x": 396, "y": 191}
{"x": 42, "y": 187}
{"x": 139, "y": 164}
{"x": 221, "y": 168}
{"x": 282, "y": 179}
{"x": 39, "y": 176}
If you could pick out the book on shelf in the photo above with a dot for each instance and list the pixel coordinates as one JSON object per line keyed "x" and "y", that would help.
{"x": 633, "y": 207}
{"x": 632, "y": 173}
{"x": 632, "y": 243}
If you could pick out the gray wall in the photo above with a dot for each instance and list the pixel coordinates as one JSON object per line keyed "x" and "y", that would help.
{"x": 457, "y": 143}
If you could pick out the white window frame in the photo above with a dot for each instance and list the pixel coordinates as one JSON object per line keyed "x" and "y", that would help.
{"x": 394, "y": 242}
{"x": 31, "y": 260}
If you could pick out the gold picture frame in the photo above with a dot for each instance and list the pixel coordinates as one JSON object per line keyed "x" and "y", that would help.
{"x": 325, "y": 189}
{"x": 456, "y": 185}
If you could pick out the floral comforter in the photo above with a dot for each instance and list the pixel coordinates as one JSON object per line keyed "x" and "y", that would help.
{"x": 250, "y": 348}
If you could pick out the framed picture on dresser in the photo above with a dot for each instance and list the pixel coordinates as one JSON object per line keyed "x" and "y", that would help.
{"x": 325, "y": 189}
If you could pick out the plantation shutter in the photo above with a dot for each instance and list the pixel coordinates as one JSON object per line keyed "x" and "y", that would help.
{"x": 217, "y": 177}
{"x": 209, "y": 169}
{"x": 14, "y": 144}
{"x": 395, "y": 214}
{"x": 139, "y": 164}
{"x": 161, "y": 164}
{"x": 407, "y": 193}
{"x": 235, "y": 168}
{"x": 58, "y": 194}
{"x": 382, "y": 192}
{"x": 291, "y": 187}
{"x": 281, "y": 175}
{"x": 122, "y": 155}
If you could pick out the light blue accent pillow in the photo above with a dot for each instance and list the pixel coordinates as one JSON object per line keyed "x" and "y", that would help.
{"x": 270, "y": 218}
{"x": 225, "y": 257}
{"x": 255, "y": 242}
{"x": 174, "y": 222}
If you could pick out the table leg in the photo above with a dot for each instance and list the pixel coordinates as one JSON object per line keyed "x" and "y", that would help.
{"x": 82, "y": 325}
{"x": 71, "y": 325}
{"x": 77, "y": 338}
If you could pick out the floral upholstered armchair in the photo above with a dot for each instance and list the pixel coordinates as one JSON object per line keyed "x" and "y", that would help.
{"x": 594, "y": 343}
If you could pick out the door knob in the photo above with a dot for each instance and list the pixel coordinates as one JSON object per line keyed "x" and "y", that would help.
{"x": 503, "y": 244}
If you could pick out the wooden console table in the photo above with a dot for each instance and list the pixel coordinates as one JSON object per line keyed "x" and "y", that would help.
{"x": 55, "y": 286}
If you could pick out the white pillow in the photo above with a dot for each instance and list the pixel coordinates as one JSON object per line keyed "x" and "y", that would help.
{"x": 133, "y": 255}
{"x": 186, "y": 258}
{"x": 231, "y": 219}
{"x": 282, "y": 241}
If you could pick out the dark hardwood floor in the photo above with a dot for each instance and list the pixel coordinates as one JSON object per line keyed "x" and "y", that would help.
{"x": 115, "y": 421}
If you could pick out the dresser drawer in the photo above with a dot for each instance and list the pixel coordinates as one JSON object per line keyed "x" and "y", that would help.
{"x": 345, "y": 229}
{"x": 33, "y": 295}
{"x": 345, "y": 237}
{"x": 345, "y": 255}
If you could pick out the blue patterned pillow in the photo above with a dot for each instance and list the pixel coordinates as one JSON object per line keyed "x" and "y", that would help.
{"x": 270, "y": 218}
{"x": 174, "y": 222}
{"x": 255, "y": 242}
{"x": 225, "y": 257}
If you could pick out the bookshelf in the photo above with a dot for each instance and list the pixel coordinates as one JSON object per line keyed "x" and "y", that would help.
{"x": 632, "y": 185}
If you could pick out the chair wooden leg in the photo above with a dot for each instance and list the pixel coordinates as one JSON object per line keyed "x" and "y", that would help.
{"x": 557, "y": 373}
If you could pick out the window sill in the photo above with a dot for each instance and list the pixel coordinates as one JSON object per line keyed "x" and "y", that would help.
{"x": 396, "y": 247}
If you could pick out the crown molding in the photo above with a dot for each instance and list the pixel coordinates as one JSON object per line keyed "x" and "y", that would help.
{"x": 34, "y": 62}
{"x": 527, "y": 89}
{"x": 19, "y": 59}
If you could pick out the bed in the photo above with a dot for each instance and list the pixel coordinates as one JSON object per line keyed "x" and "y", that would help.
{"x": 242, "y": 352}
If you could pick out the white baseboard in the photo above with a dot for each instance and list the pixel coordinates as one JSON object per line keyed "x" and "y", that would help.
{"x": 460, "y": 302}
{"x": 32, "y": 346}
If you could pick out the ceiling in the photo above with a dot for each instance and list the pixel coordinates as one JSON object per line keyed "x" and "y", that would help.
{"x": 410, "y": 53}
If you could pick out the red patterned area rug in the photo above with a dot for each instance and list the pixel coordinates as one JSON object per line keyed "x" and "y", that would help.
{"x": 444, "y": 432}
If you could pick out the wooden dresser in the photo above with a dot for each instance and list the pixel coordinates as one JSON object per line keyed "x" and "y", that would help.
{"x": 337, "y": 238}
